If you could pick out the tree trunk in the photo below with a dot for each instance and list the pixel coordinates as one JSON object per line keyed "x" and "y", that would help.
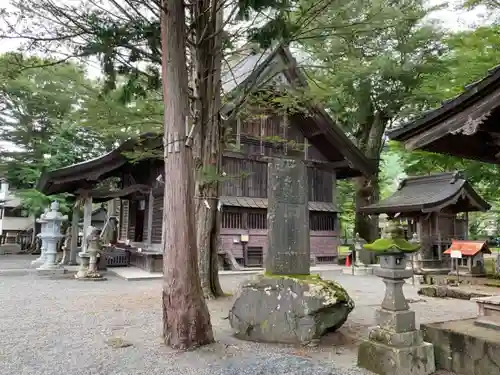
{"x": 186, "y": 320}
{"x": 367, "y": 188}
{"x": 207, "y": 60}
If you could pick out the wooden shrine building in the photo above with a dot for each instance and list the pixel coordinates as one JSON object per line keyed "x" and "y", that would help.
{"x": 327, "y": 151}
{"x": 431, "y": 205}
{"x": 466, "y": 126}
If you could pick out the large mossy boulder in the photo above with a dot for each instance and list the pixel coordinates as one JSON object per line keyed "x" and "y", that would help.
{"x": 288, "y": 309}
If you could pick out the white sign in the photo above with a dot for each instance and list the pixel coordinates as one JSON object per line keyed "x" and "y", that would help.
{"x": 456, "y": 254}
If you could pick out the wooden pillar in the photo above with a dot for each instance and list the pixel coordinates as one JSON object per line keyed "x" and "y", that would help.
{"x": 438, "y": 232}
{"x": 149, "y": 228}
{"x": 87, "y": 218}
{"x": 238, "y": 133}
{"x": 466, "y": 226}
{"x": 74, "y": 235}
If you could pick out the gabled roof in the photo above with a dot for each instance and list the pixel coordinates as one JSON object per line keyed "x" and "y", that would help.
{"x": 257, "y": 70}
{"x": 76, "y": 176}
{"x": 468, "y": 248}
{"x": 472, "y": 93}
{"x": 429, "y": 193}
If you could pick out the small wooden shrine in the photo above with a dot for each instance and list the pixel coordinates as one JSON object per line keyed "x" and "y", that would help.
{"x": 472, "y": 253}
{"x": 432, "y": 205}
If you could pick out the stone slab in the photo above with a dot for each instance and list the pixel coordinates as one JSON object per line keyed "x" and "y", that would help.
{"x": 388, "y": 360}
{"x": 288, "y": 250}
{"x": 462, "y": 347}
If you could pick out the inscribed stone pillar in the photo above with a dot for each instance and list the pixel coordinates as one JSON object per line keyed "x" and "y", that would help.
{"x": 288, "y": 250}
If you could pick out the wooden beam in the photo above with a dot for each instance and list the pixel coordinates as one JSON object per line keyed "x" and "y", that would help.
{"x": 74, "y": 236}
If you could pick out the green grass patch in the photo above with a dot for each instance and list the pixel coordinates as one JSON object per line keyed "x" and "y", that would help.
{"x": 343, "y": 250}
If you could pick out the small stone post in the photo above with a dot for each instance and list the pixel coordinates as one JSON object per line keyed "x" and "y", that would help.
{"x": 395, "y": 346}
{"x": 43, "y": 224}
{"x": 289, "y": 249}
{"x": 52, "y": 236}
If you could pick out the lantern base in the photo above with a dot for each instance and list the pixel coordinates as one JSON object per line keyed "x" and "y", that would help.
{"x": 389, "y": 360}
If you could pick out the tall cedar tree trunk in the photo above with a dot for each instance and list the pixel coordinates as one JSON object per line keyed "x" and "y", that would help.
{"x": 186, "y": 320}
{"x": 367, "y": 189}
{"x": 207, "y": 60}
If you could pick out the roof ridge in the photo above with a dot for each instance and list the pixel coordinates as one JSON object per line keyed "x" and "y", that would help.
{"x": 436, "y": 177}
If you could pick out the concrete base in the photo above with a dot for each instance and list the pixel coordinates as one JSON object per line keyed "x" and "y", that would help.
{"x": 432, "y": 271}
{"x": 363, "y": 271}
{"x": 463, "y": 347}
{"x": 489, "y": 312}
{"x": 51, "y": 271}
{"x": 383, "y": 359}
{"x": 358, "y": 271}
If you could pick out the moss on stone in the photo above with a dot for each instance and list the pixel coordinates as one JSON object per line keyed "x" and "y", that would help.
{"x": 388, "y": 245}
{"x": 330, "y": 290}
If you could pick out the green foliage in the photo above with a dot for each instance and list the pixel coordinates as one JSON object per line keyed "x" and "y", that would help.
{"x": 37, "y": 122}
{"x": 369, "y": 74}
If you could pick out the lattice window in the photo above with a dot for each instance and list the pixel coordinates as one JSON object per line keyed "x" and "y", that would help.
{"x": 257, "y": 219}
{"x": 322, "y": 221}
{"x": 231, "y": 219}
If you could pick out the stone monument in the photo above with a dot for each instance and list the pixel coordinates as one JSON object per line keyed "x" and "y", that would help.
{"x": 395, "y": 346}
{"x": 286, "y": 304}
{"x": 52, "y": 235}
{"x": 41, "y": 259}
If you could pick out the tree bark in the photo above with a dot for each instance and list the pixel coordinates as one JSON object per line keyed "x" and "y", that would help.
{"x": 207, "y": 60}
{"x": 367, "y": 188}
{"x": 186, "y": 320}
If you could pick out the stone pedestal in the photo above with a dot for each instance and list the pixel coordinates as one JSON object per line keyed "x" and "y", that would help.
{"x": 395, "y": 346}
{"x": 88, "y": 266}
{"x": 286, "y": 304}
{"x": 84, "y": 265}
{"x": 52, "y": 235}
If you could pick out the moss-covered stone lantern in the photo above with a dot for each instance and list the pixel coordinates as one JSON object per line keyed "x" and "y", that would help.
{"x": 395, "y": 346}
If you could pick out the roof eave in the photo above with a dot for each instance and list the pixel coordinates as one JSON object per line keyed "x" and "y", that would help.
{"x": 467, "y": 98}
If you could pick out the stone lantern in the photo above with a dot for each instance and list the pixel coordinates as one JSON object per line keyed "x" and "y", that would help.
{"x": 395, "y": 346}
{"x": 43, "y": 225}
{"x": 52, "y": 235}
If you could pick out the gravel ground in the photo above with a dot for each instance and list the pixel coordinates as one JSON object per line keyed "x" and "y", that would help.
{"x": 53, "y": 327}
